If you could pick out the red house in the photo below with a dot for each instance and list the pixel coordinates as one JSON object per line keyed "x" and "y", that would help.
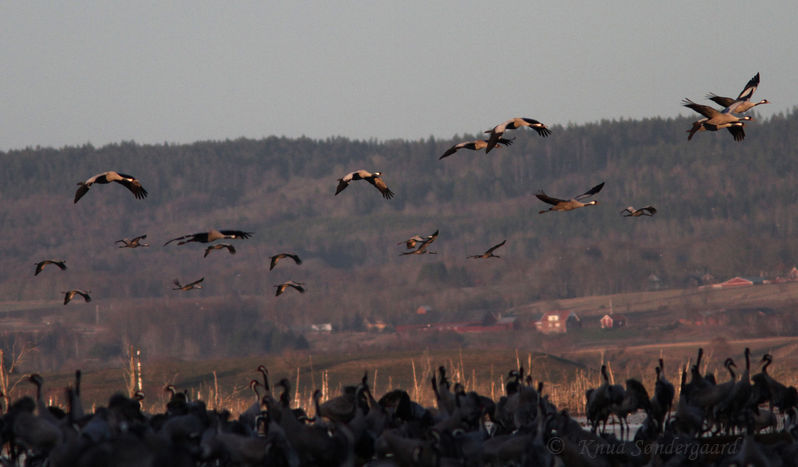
{"x": 612, "y": 321}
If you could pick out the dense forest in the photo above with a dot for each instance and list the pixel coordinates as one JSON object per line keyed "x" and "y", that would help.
{"x": 723, "y": 209}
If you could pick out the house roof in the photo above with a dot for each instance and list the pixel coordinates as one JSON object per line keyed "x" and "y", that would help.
{"x": 562, "y": 315}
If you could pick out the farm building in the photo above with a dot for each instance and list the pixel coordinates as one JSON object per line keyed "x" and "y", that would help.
{"x": 553, "y": 322}
{"x": 612, "y": 321}
{"x": 738, "y": 281}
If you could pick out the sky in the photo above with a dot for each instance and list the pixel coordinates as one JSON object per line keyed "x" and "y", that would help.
{"x": 101, "y": 72}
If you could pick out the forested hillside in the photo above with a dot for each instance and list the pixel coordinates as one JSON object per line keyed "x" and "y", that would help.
{"x": 723, "y": 208}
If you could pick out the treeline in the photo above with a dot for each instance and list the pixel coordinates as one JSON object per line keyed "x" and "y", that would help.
{"x": 724, "y": 209}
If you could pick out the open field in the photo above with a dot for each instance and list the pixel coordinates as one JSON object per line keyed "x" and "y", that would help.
{"x": 567, "y": 363}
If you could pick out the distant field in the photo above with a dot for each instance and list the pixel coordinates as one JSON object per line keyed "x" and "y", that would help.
{"x": 567, "y": 364}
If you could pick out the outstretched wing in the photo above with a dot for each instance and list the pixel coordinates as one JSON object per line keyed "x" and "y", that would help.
{"x": 341, "y": 185}
{"x": 133, "y": 185}
{"x": 538, "y": 126}
{"x": 749, "y": 88}
{"x": 490, "y": 250}
{"x": 650, "y": 210}
{"x": 377, "y": 182}
{"x": 704, "y": 110}
{"x": 184, "y": 237}
{"x": 236, "y": 233}
{"x": 737, "y": 132}
{"x": 720, "y": 100}
{"x": 591, "y": 191}
{"x": 82, "y": 190}
{"x": 195, "y": 282}
{"x": 453, "y": 150}
{"x": 548, "y": 199}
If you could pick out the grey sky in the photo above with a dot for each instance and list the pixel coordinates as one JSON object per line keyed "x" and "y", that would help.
{"x": 180, "y": 71}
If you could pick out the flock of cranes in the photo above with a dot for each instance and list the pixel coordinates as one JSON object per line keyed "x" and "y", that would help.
{"x": 463, "y": 428}
{"x": 728, "y": 117}
{"x": 522, "y": 427}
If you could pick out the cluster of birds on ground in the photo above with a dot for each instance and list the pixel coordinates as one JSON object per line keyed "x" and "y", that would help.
{"x": 713, "y": 423}
{"x": 729, "y": 117}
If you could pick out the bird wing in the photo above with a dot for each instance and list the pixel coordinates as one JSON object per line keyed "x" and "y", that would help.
{"x": 133, "y": 185}
{"x": 377, "y": 182}
{"x": 177, "y": 283}
{"x": 506, "y": 141}
{"x": 341, "y": 185}
{"x": 39, "y": 267}
{"x": 195, "y": 282}
{"x": 84, "y": 295}
{"x": 82, "y": 190}
{"x": 68, "y": 296}
{"x": 453, "y": 150}
{"x": 494, "y": 139}
{"x": 295, "y": 258}
{"x": 704, "y": 110}
{"x": 236, "y": 233}
{"x": 720, "y": 100}
{"x": 280, "y": 289}
{"x": 298, "y": 287}
{"x": 140, "y": 237}
{"x": 737, "y": 132}
{"x": 591, "y": 191}
{"x": 548, "y": 199}
{"x": 490, "y": 250}
{"x": 274, "y": 261}
{"x": 749, "y": 88}
{"x": 184, "y": 237}
{"x": 208, "y": 250}
{"x": 230, "y": 248}
{"x": 649, "y": 209}
{"x": 538, "y": 126}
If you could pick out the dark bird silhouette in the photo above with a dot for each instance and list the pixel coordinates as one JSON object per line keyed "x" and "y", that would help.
{"x": 128, "y": 181}
{"x": 210, "y": 236}
{"x": 373, "y": 178}
{"x": 416, "y": 239}
{"x": 422, "y": 249}
{"x": 134, "y": 243}
{"x": 41, "y": 264}
{"x": 276, "y": 258}
{"x": 475, "y": 145}
{"x": 569, "y": 204}
{"x": 489, "y": 252}
{"x": 743, "y": 102}
{"x": 70, "y": 294}
{"x": 281, "y": 287}
{"x": 715, "y": 120}
{"x": 219, "y": 246}
{"x": 197, "y": 284}
{"x": 632, "y": 212}
{"x": 518, "y": 122}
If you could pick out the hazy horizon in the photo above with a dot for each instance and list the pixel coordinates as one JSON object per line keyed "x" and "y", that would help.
{"x": 92, "y": 72}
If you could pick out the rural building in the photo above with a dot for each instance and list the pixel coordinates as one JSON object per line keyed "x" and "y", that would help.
{"x": 737, "y": 281}
{"x": 553, "y": 322}
{"x": 378, "y": 325}
{"x": 321, "y": 327}
{"x": 612, "y": 321}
